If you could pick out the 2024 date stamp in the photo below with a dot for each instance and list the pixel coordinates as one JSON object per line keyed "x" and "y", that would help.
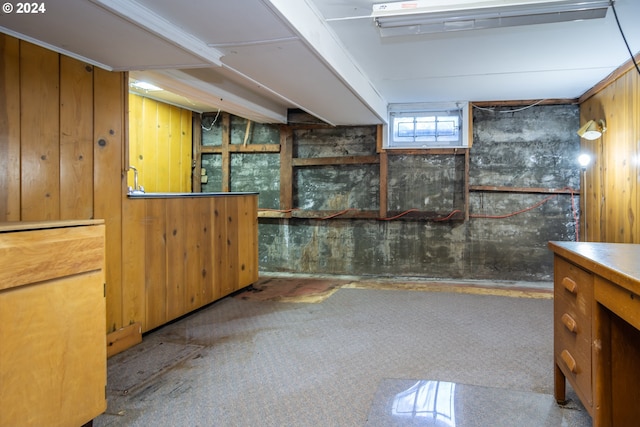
{"x": 24, "y": 8}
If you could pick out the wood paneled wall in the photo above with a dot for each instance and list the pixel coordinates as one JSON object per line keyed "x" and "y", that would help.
{"x": 183, "y": 253}
{"x": 61, "y": 147}
{"x": 612, "y": 196}
{"x": 160, "y": 145}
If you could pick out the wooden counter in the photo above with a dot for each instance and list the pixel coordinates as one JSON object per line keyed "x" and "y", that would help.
{"x": 183, "y": 251}
{"x": 597, "y": 328}
{"x": 52, "y": 319}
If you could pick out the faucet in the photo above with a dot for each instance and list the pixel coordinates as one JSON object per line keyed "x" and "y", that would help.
{"x": 135, "y": 189}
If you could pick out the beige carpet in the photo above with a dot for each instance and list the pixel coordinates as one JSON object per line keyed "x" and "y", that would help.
{"x": 273, "y": 363}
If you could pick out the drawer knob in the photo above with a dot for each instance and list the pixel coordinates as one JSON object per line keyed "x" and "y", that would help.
{"x": 569, "y": 322}
{"x": 568, "y": 359}
{"x": 569, "y": 285}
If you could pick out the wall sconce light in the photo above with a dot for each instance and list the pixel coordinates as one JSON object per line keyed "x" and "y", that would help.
{"x": 592, "y": 130}
{"x": 584, "y": 160}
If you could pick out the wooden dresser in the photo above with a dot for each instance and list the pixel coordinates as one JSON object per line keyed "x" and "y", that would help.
{"x": 597, "y": 328}
{"x": 53, "y": 359}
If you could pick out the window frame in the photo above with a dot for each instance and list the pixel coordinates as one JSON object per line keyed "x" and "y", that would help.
{"x": 432, "y": 112}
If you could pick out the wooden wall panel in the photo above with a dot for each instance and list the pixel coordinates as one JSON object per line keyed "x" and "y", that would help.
{"x": 219, "y": 229}
{"x": 109, "y": 185}
{"x": 136, "y": 143}
{"x": 187, "y": 169}
{"x": 195, "y": 284}
{"x": 160, "y": 145}
{"x": 162, "y": 140}
{"x": 39, "y": 133}
{"x": 612, "y": 197}
{"x": 231, "y": 246}
{"x": 9, "y": 129}
{"x": 149, "y": 159}
{"x": 155, "y": 263}
{"x": 247, "y": 245}
{"x": 174, "y": 150}
{"x": 76, "y": 139}
{"x": 133, "y": 262}
{"x": 61, "y": 146}
{"x": 176, "y": 231}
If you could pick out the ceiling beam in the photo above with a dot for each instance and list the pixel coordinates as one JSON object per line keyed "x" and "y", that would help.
{"x": 180, "y": 82}
{"x": 307, "y": 22}
{"x": 155, "y": 24}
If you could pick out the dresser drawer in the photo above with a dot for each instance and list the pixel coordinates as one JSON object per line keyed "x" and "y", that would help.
{"x": 573, "y": 305}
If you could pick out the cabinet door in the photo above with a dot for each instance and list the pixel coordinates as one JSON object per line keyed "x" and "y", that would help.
{"x": 53, "y": 352}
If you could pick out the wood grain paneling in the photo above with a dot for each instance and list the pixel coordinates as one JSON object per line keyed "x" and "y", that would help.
{"x": 109, "y": 187}
{"x": 176, "y": 232}
{"x": 612, "y": 198}
{"x": 10, "y": 129}
{"x": 160, "y": 145}
{"x": 194, "y": 251}
{"x": 38, "y": 255}
{"x": 155, "y": 263}
{"x": 53, "y": 350}
{"x": 61, "y": 146}
{"x": 133, "y": 268}
{"x": 247, "y": 245}
{"x": 76, "y": 135}
{"x": 39, "y": 133}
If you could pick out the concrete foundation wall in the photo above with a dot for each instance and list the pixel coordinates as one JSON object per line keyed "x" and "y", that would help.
{"x": 532, "y": 147}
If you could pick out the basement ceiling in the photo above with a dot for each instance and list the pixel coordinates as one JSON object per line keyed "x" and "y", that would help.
{"x": 259, "y": 58}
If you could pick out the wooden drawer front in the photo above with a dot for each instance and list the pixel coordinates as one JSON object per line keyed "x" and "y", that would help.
{"x": 573, "y": 289}
{"x": 38, "y": 255}
{"x": 623, "y": 302}
{"x": 573, "y": 304}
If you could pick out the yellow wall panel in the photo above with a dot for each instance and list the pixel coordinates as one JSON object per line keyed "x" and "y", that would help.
{"x": 160, "y": 145}
{"x": 163, "y": 147}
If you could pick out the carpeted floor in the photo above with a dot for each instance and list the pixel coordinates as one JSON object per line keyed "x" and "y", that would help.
{"x": 274, "y": 363}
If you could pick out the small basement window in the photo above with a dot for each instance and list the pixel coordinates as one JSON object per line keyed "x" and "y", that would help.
{"x": 426, "y": 125}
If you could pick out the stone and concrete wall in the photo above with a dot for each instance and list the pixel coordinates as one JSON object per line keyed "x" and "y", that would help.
{"x": 533, "y": 147}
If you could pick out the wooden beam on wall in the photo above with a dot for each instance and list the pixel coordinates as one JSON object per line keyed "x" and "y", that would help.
{"x": 226, "y": 157}
{"x": 286, "y": 169}
{"x": 196, "y": 182}
{"x": 522, "y": 189}
{"x": 340, "y": 160}
{"x": 384, "y": 173}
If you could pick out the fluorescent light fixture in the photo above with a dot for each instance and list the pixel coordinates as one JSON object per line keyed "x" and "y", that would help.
{"x": 434, "y": 16}
{"x": 145, "y": 86}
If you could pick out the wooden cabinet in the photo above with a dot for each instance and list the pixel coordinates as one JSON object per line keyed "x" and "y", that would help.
{"x": 52, "y": 323}
{"x": 185, "y": 251}
{"x": 597, "y": 328}
{"x": 573, "y": 308}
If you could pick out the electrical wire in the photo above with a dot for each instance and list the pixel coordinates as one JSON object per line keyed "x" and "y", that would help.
{"x": 399, "y": 215}
{"x": 624, "y": 38}
{"x": 493, "y": 110}
{"x": 215, "y": 119}
{"x": 574, "y": 212}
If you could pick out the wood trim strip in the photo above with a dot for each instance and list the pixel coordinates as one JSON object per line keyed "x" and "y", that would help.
{"x": 523, "y": 189}
{"x": 340, "y": 160}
